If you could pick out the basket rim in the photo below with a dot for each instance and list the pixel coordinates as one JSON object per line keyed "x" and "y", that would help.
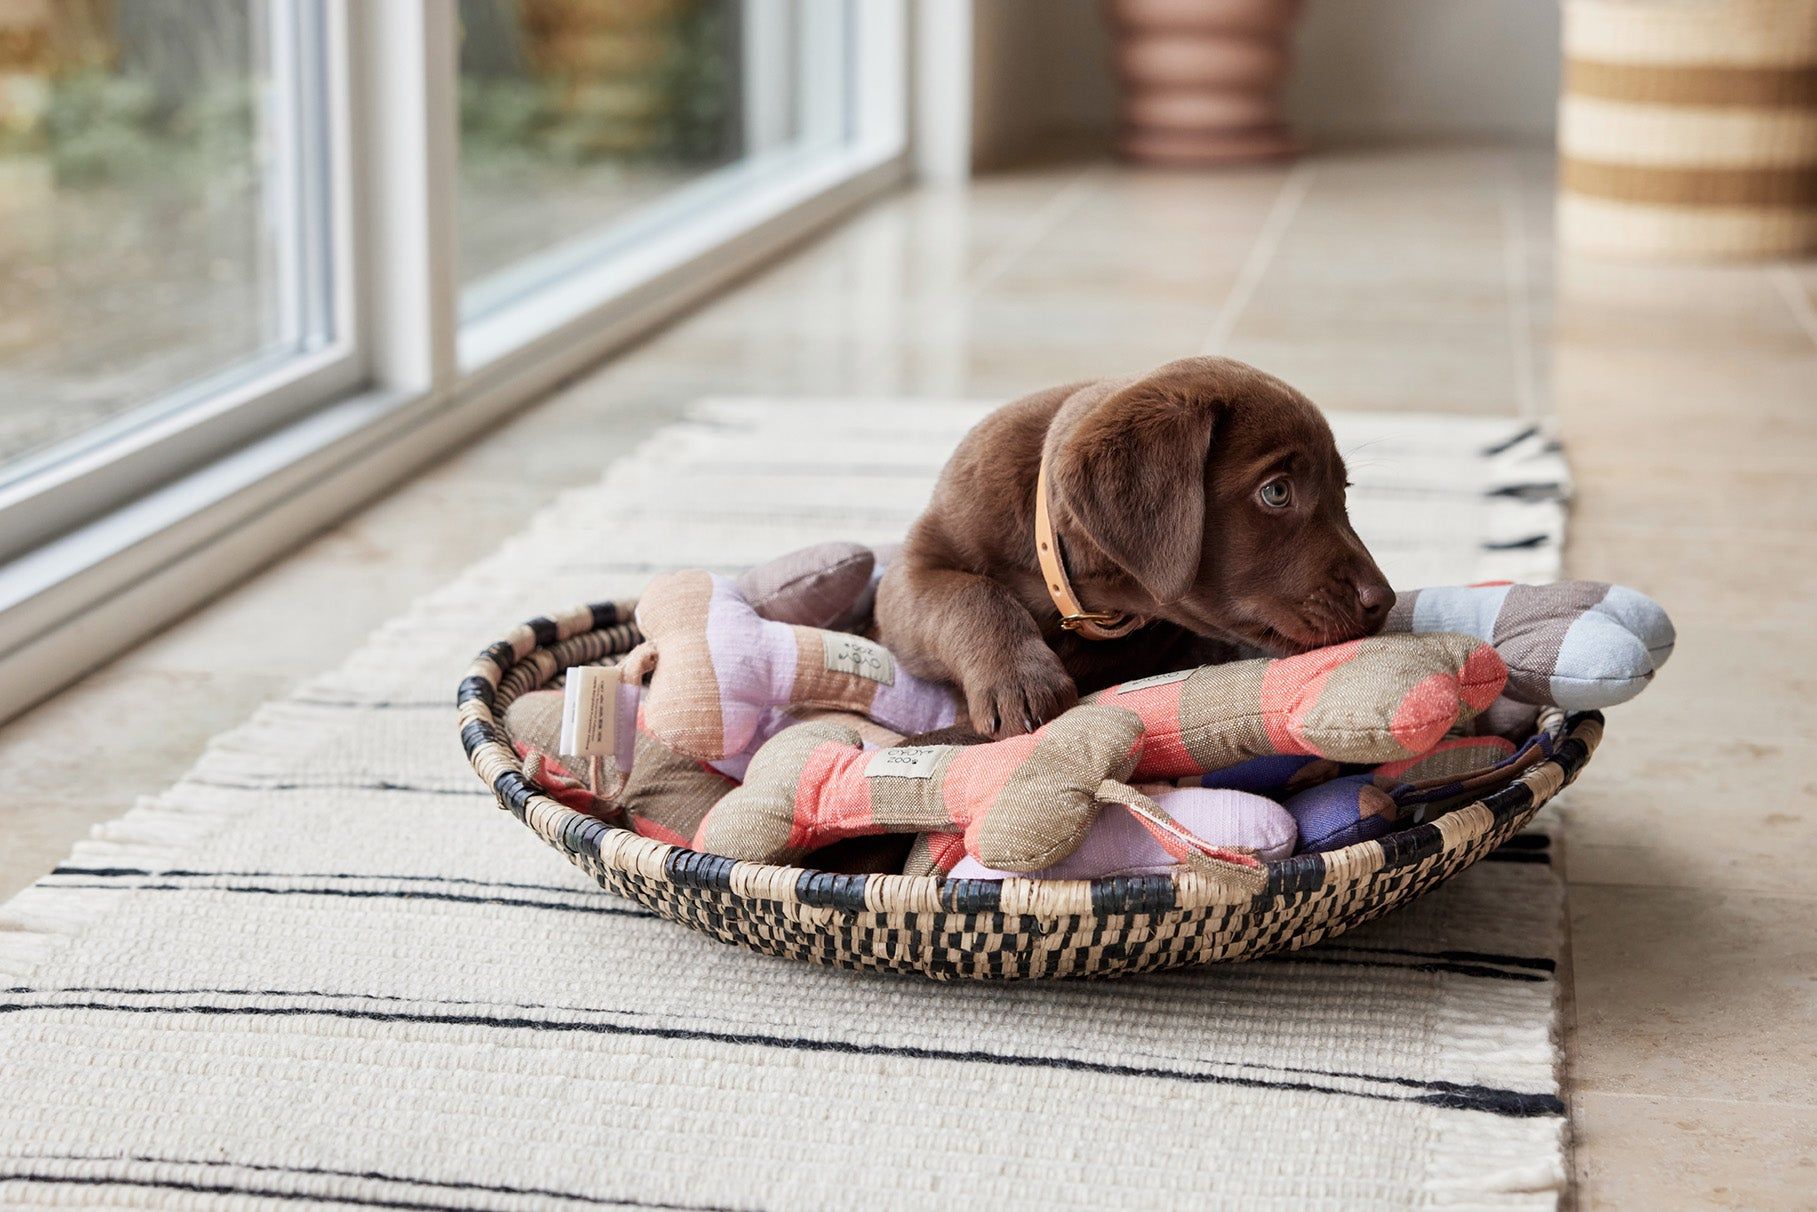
{"x": 610, "y": 627}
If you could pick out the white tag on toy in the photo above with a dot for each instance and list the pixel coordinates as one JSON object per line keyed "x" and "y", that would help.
{"x": 1159, "y": 679}
{"x": 855, "y": 654}
{"x": 907, "y": 762}
{"x": 590, "y": 711}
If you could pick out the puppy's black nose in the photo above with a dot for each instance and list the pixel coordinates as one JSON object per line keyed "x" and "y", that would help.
{"x": 1375, "y": 599}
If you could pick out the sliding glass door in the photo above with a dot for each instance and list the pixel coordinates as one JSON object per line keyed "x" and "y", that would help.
{"x": 251, "y": 251}
{"x": 590, "y": 129}
{"x": 585, "y": 123}
{"x": 165, "y": 230}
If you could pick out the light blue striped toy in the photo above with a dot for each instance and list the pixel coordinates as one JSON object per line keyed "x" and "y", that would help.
{"x": 1579, "y": 645}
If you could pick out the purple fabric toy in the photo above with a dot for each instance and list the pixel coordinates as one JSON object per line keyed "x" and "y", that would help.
{"x": 1270, "y": 775}
{"x": 723, "y": 679}
{"x": 1342, "y": 812}
{"x": 1117, "y": 844}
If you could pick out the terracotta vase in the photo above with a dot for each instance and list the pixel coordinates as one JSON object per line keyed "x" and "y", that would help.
{"x": 1201, "y": 80}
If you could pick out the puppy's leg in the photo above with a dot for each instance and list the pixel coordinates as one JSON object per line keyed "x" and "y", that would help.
{"x": 969, "y": 630}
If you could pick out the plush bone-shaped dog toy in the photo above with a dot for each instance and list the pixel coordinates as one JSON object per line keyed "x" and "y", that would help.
{"x": 1378, "y": 700}
{"x": 1573, "y": 644}
{"x": 667, "y": 791}
{"x": 1375, "y": 700}
{"x": 721, "y": 675}
{"x": 1020, "y": 804}
{"x": 1324, "y": 807}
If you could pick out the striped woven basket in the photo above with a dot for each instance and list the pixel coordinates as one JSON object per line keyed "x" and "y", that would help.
{"x": 974, "y": 929}
{"x": 1689, "y": 129}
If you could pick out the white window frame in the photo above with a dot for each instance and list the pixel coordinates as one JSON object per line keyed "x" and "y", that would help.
{"x": 118, "y": 543}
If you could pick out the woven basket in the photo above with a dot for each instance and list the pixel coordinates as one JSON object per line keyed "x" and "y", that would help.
{"x": 974, "y": 929}
{"x": 1689, "y": 129}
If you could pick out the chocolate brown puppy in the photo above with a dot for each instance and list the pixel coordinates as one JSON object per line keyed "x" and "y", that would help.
{"x": 1198, "y": 516}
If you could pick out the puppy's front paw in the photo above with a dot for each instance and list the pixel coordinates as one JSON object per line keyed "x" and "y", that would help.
{"x": 1027, "y": 691}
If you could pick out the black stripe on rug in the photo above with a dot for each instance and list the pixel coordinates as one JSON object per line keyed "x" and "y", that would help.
{"x": 329, "y": 785}
{"x": 377, "y": 878}
{"x": 323, "y": 1197}
{"x": 1460, "y": 963}
{"x": 384, "y": 894}
{"x": 1510, "y": 442}
{"x": 327, "y": 704}
{"x": 1409, "y": 1083}
{"x": 1528, "y": 543}
{"x": 1447, "y": 1095}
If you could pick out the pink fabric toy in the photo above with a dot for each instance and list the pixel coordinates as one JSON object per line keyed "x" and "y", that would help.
{"x": 666, "y": 792}
{"x": 1369, "y": 701}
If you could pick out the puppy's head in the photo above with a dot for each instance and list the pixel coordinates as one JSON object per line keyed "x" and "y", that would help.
{"x": 1211, "y": 495}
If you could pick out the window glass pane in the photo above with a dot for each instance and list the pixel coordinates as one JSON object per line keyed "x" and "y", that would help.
{"x": 582, "y": 120}
{"x": 159, "y": 185}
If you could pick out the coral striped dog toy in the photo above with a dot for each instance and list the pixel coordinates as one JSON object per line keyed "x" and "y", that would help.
{"x": 1019, "y": 804}
{"x": 1369, "y": 701}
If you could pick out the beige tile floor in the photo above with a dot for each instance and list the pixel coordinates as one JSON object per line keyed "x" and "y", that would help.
{"x": 1412, "y": 278}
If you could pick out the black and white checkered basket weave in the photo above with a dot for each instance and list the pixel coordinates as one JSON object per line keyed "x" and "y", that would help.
{"x": 976, "y": 929}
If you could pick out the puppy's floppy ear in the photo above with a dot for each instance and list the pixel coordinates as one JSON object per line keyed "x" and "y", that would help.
{"x": 1131, "y": 475}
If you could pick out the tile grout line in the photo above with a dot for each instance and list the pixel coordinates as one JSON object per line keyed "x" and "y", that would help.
{"x": 1049, "y": 216}
{"x": 1802, "y": 309}
{"x": 1756, "y": 893}
{"x": 1777, "y": 1104}
{"x": 1261, "y": 254}
{"x": 1520, "y": 303}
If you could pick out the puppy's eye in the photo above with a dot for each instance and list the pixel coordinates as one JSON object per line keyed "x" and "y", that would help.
{"x": 1277, "y": 493}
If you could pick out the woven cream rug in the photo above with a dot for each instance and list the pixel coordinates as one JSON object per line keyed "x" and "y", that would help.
{"x": 326, "y": 968}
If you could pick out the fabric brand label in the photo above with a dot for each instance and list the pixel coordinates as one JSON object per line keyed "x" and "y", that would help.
{"x": 590, "y": 711}
{"x": 855, "y": 654}
{"x": 908, "y": 762}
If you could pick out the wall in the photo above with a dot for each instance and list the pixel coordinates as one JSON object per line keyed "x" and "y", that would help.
{"x": 1040, "y": 70}
{"x": 1366, "y": 70}
{"x": 1375, "y": 69}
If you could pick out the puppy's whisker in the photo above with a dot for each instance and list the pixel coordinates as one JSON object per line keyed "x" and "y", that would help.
{"x": 1365, "y": 445}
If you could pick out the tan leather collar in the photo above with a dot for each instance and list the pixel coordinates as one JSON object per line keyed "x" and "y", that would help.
{"x": 1092, "y": 624}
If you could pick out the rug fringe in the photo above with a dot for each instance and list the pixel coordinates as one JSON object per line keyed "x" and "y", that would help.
{"x": 157, "y": 834}
{"x": 153, "y": 835}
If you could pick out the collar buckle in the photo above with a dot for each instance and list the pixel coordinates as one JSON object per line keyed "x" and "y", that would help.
{"x": 1102, "y": 624}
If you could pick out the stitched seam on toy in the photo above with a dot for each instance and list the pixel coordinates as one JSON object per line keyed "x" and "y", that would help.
{"x": 1566, "y": 678}
{"x": 812, "y": 578}
{"x": 1220, "y": 729}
